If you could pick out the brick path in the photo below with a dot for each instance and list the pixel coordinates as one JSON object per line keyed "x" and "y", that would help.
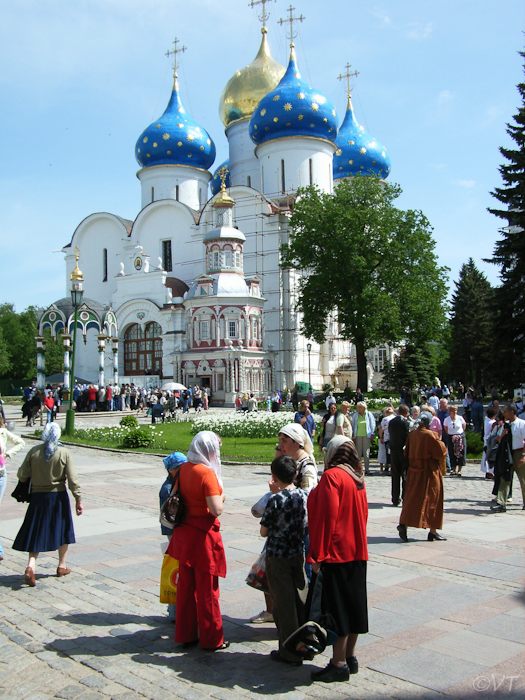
{"x": 447, "y": 619}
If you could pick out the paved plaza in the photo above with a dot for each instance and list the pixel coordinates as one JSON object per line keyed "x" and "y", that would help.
{"x": 447, "y": 619}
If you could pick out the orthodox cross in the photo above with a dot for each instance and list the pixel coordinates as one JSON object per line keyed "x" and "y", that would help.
{"x": 291, "y": 20}
{"x": 223, "y": 173}
{"x": 347, "y": 77}
{"x": 77, "y": 251}
{"x": 175, "y": 53}
{"x": 265, "y": 15}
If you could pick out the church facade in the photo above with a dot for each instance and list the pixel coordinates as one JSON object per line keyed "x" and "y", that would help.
{"x": 191, "y": 290}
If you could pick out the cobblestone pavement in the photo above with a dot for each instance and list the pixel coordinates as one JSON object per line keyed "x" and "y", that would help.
{"x": 447, "y": 619}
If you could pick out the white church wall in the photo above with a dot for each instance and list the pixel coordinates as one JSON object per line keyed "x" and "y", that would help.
{"x": 179, "y": 182}
{"x": 244, "y": 166}
{"x": 86, "y": 356}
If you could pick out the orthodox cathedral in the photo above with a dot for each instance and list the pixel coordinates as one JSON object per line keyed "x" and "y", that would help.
{"x": 191, "y": 290}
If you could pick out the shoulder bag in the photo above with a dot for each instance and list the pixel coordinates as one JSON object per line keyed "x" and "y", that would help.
{"x": 173, "y": 509}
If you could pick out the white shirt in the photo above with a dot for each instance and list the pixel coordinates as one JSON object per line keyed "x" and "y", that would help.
{"x": 517, "y": 428}
{"x": 456, "y": 427}
{"x": 329, "y": 400}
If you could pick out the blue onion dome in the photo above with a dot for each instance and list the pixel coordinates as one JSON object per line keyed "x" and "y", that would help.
{"x": 293, "y": 109}
{"x": 215, "y": 183}
{"x": 175, "y": 139}
{"x": 357, "y": 152}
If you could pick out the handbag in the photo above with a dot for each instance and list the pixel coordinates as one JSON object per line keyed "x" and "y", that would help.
{"x": 257, "y": 577}
{"x": 169, "y": 578}
{"x": 173, "y": 509}
{"x": 22, "y": 491}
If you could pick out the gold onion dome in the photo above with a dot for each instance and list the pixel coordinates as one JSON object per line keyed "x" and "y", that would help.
{"x": 77, "y": 275}
{"x": 248, "y": 86}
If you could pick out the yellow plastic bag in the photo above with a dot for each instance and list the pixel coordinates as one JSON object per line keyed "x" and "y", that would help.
{"x": 169, "y": 577}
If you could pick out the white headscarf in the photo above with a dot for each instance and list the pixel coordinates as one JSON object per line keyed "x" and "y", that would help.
{"x": 332, "y": 447}
{"x": 298, "y": 435}
{"x": 205, "y": 449}
{"x": 51, "y": 436}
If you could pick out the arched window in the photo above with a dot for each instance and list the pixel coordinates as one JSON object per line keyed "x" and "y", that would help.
{"x": 143, "y": 350}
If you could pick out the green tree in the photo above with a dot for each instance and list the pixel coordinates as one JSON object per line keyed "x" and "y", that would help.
{"x": 415, "y": 366}
{"x": 54, "y": 353}
{"x": 19, "y": 332}
{"x": 5, "y": 362}
{"x": 472, "y": 343}
{"x": 509, "y": 255}
{"x": 371, "y": 263}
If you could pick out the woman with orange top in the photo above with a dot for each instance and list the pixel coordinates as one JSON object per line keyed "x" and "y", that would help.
{"x": 197, "y": 545}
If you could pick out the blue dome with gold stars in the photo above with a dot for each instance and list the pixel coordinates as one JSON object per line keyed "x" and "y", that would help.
{"x": 215, "y": 184}
{"x": 357, "y": 152}
{"x": 293, "y": 109}
{"x": 175, "y": 139}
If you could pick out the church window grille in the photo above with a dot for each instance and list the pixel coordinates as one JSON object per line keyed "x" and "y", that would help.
{"x": 232, "y": 329}
{"x": 177, "y": 192}
{"x": 167, "y": 263}
{"x": 205, "y": 330}
{"x": 283, "y": 182}
{"x": 220, "y": 218}
{"x": 311, "y": 171}
{"x": 105, "y": 265}
{"x": 143, "y": 349}
{"x": 380, "y": 360}
{"x": 236, "y": 259}
{"x": 220, "y": 382}
{"x": 215, "y": 259}
{"x": 227, "y": 258}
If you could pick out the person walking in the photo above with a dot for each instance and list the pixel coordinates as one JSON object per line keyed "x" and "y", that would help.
{"x": 513, "y": 434}
{"x": 398, "y": 429}
{"x": 364, "y": 428}
{"x": 48, "y": 524}
{"x": 5, "y": 454}
{"x": 423, "y": 500}
{"x": 455, "y": 428}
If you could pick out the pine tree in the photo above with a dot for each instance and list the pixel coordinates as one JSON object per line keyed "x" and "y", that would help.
{"x": 471, "y": 324}
{"x": 509, "y": 255}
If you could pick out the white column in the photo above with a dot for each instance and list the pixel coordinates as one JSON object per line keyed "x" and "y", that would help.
{"x": 40, "y": 363}
{"x": 114, "y": 347}
{"x": 66, "y": 342}
{"x": 101, "y": 352}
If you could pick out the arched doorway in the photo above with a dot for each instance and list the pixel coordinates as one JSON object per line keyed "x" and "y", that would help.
{"x": 143, "y": 350}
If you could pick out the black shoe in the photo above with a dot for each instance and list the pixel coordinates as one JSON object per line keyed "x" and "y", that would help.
{"x": 353, "y": 666}
{"x": 402, "y": 529}
{"x": 498, "y": 509}
{"x": 395, "y": 504}
{"x": 431, "y": 537}
{"x": 224, "y": 645}
{"x": 331, "y": 674}
{"x": 276, "y": 656}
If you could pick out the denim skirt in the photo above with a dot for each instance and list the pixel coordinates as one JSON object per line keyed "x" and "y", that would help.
{"x": 48, "y": 523}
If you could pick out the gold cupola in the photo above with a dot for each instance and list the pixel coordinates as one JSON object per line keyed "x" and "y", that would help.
{"x": 248, "y": 86}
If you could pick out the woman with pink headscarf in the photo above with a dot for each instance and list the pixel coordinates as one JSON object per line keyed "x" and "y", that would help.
{"x": 197, "y": 545}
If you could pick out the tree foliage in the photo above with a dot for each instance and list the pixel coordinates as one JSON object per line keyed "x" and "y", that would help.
{"x": 415, "y": 367}
{"x": 509, "y": 254}
{"x": 471, "y": 322}
{"x": 367, "y": 261}
{"x": 18, "y": 333}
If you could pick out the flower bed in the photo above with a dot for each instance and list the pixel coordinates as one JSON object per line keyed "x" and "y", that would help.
{"x": 122, "y": 436}
{"x": 245, "y": 425}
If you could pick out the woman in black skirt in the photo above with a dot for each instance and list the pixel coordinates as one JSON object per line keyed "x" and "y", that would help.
{"x": 337, "y": 517}
{"x": 48, "y": 524}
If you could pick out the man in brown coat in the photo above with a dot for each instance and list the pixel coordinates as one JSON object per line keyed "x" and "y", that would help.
{"x": 423, "y": 498}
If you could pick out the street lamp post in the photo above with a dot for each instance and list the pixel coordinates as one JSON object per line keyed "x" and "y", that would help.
{"x": 76, "y": 299}
{"x": 309, "y": 348}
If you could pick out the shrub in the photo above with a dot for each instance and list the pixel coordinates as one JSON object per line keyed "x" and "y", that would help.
{"x": 138, "y": 438}
{"x": 474, "y": 442}
{"x": 129, "y": 422}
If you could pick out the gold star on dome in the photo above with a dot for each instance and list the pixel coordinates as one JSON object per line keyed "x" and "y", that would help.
{"x": 138, "y": 150}
{"x": 179, "y": 143}
{"x": 276, "y": 119}
{"x": 325, "y": 120}
{"x": 362, "y": 128}
{"x": 315, "y": 106}
{"x": 190, "y": 137}
{"x": 255, "y": 126}
{"x": 276, "y": 98}
{"x": 300, "y": 117}
{"x": 145, "y": 139}
{"x": 338, "y": 152}
{"x": 321, "y": 99}
{"x": 297, "y": 75}
{"x": 148, "y": 155}
{"x": 155, "y": 144}
{"x": 180, "y": 109}
{"x": 202, "y": 148}
{"x": 166, "y": 137}
{"x": 267, "y": 128}
{"x": 180, "y": 125}
{"x": 263, "y": 112}
{"x": 208, "y": 141}
{"x": 340, "y": 167}
{"x": 300, "y": 95}
{"x": 288, "y": 124}
{"x": 333, "y": 113}
{"x": 312, "y": 124}
{"x": 362, "y": 150}
{"x": 169, "y": 153}
{"x": 330, "y": 129}
{"x": 351, "y": 143}
{"x": 383, "y": 154}
{"x": 288, "y": 106}
{"x": 351, "y": 162}
{"x": 189, "y": 155}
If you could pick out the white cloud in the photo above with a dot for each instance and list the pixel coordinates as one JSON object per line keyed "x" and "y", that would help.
{"x": 444, "y": 97}
{"x": 382, "y": 16}
{"x": 418, "y": 31}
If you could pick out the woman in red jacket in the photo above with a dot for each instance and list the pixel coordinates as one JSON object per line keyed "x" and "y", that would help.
{"x": 337, "y": 516}
{"x": 197, "y": 545}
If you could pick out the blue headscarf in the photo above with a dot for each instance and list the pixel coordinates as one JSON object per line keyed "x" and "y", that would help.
{"x": 175, "y": 459}
{"x": 51, "y": 436}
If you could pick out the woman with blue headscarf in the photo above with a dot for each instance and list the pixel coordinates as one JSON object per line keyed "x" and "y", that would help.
{"x": 48, "y": 523}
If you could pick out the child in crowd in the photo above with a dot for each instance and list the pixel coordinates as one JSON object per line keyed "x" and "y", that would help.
{"x": 171, "y": 462}
{"x": 283, "y": 523}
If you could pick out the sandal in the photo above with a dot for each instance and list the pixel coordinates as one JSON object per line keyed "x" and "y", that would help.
{"x": 224, "y": 645}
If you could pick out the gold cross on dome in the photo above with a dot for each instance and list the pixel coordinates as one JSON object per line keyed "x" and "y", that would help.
{"x": 347, "y": 77}
{"x": 291, "y": 20}
{"x": 223, "y": 174}
{"x": 265, "y": 15}
{"x": 175, "y": 53}
{"x": 77, "y": 251}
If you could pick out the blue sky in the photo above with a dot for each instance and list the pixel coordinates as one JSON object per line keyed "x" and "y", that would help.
{"x": 81, "y": 79}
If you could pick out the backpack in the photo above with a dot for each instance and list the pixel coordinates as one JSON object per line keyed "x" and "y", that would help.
{"x": 173, "y": 509}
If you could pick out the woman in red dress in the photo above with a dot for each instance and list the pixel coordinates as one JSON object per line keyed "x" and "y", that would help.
{"x": 197, "y": 545}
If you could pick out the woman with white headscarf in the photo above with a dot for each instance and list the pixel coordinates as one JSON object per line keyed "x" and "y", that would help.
{"x": 48, "y": 524}
{"x": 295, "y": 442}
{"x": 197, "y": 545}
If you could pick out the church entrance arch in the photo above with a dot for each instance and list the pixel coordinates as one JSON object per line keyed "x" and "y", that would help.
{"x": 143, "y": 349}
